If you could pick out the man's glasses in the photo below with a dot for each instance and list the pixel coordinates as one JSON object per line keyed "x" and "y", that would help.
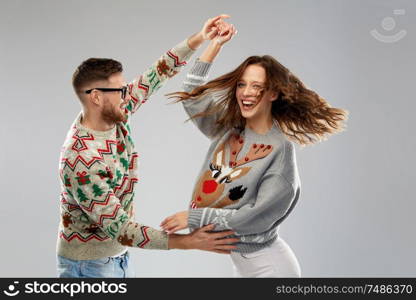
{"x": 123, "y": 91}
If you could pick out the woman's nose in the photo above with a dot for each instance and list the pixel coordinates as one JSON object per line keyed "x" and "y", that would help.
{"x": 247, "y": 91}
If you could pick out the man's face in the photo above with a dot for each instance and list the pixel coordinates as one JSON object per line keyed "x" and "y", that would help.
{"x": 113, "y": 106}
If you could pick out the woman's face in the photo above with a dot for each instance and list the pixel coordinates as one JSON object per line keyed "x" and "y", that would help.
{"x": 249, "y": 89}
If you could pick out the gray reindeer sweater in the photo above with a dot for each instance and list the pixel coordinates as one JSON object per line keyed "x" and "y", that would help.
{"x": 248, "y": 183}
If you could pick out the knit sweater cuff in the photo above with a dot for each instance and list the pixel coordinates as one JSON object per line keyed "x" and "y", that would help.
{"x": 194, "y": 217}
{"x": 200, "y": 68}
{"x": 183, "y": 50}
{"x": 158, "y": 241}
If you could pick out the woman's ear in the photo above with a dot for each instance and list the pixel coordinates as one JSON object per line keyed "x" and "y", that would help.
{"x": 274, "y": 95}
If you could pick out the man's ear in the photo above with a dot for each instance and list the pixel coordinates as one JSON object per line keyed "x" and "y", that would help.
{"x": 94, "y": 97}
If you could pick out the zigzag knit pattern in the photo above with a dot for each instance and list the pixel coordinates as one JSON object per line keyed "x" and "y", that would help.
{"x": 98, "y": 171}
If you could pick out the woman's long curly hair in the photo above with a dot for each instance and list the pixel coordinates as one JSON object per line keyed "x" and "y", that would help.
{"x": 301, "y": 113}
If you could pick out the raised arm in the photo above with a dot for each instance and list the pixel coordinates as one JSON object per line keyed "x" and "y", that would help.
{"x": 198, "y": 76}
{"x": 167, "y": 66}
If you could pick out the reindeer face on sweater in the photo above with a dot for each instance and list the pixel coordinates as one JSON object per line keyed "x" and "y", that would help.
{"x": 212, "y": 183}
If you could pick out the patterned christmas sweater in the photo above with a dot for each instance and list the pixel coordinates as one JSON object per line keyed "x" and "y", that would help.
{"x": 98, "y": 172}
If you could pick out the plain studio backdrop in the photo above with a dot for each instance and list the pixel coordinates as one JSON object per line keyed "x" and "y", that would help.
{"x": 355, "y": 216}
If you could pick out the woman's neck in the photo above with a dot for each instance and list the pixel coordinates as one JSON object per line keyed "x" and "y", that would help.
{"x": 261, "y": 125}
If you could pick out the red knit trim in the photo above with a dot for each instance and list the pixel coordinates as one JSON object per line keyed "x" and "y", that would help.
{"x": 146, "y": 237}
{"x": 76, "y": 235}
{"x": 178, "y": 63}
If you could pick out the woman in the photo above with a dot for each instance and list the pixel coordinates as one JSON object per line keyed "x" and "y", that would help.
{"x": 249, "y": 181}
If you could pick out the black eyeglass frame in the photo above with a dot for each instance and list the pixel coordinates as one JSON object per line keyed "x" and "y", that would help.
{"x": 123, "y": 91}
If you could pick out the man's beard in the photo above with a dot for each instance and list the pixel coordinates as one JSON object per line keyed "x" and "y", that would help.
{"x": 112, "y": 115}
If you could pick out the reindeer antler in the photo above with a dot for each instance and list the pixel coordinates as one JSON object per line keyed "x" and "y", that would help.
{"x": 236, "y": 143}
{"x": 256, "y": 151}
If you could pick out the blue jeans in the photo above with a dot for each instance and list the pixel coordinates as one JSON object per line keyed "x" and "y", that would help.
{"x": 108, "y": 267}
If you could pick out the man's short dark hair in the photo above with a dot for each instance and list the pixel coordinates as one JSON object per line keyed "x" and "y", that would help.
{"x": 94, "y": 69}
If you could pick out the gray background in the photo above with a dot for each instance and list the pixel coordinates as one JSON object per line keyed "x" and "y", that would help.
{"x": 356, "y": 212}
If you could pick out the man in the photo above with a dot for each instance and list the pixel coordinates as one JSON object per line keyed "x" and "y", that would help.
{"x": 98, "y": 169}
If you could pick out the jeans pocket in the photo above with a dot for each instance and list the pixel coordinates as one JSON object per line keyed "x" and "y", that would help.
{"x": 101, "y": 261}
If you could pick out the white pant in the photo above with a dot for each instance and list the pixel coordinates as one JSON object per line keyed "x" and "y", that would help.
{"x": 277, "y": 260}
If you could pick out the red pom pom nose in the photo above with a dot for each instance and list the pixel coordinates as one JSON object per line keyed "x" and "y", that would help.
{"x": 209, "y": 186}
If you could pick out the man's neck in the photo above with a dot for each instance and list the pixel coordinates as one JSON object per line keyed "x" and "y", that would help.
{"x": 95, "y": 122}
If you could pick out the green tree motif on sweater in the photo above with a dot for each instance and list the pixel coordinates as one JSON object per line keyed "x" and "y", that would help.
{"x": 125, "y": 163}
{"x": 82, "y": 197}
{"x": 97, "y": 190}
{"x": 119, "y": 175}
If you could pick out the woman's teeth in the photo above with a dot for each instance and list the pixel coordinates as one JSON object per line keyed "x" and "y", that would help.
{"x": 248, "y": 104}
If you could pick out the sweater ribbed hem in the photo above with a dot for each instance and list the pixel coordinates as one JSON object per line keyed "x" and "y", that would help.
{"x": 90, "y": 250}
{"x": 252, "y": 247}
{"x": 200, "y": 68}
